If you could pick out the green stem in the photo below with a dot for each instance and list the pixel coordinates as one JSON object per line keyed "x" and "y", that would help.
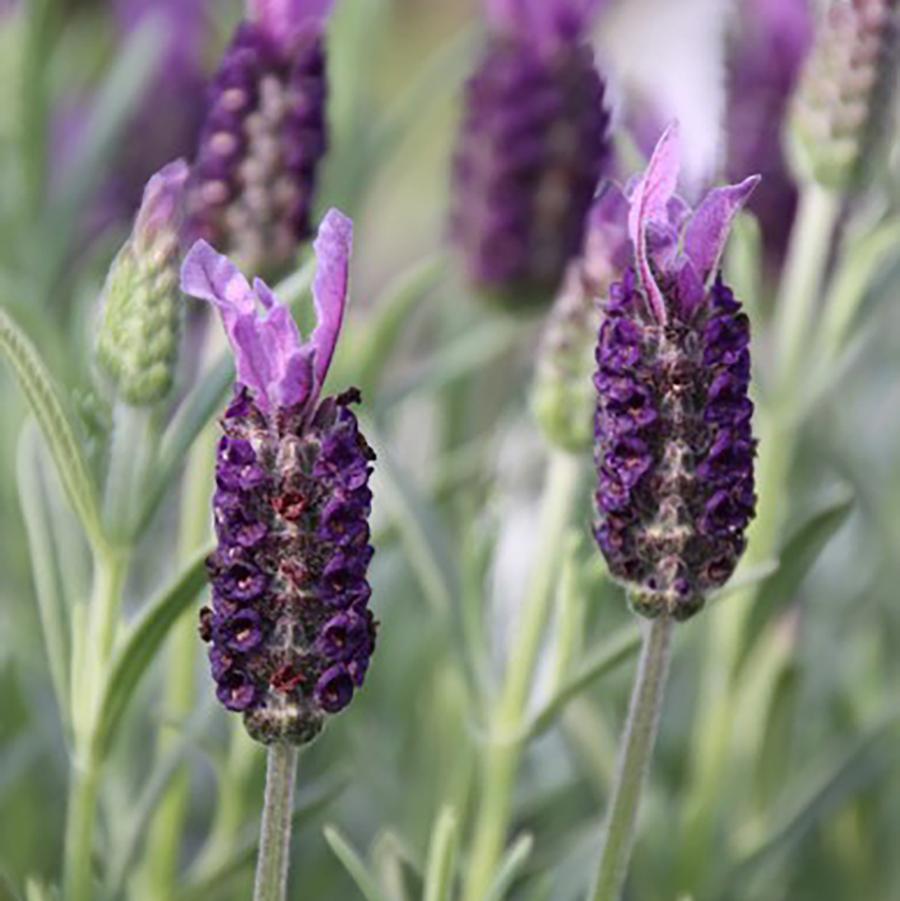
{"x": 801, "y": 283}
{"x": 130, "y": 451}
{"x": 164, "y": 842}
{"x": 275, "y": 833}
{"x": 80, "y": 820}
{"x": 109, "y": 580}
{"x": 504, "y": 750}
{"x": 635, "y": 755}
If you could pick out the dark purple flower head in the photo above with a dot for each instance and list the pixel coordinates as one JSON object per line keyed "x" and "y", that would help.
{"x": 290, "y": 629}
{"x": 673, "y": 441}
{"x": 265, "y": 132}
{"x": 531, "y": 148}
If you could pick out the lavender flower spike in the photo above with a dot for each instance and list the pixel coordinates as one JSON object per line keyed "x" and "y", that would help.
{"x": 290, "y": 630}
{"x": 254, "y": 178}
{"x": 673, "y": 441}
{"x": 531, "y": 148}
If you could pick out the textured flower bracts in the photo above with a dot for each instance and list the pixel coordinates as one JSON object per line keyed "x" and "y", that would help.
{"x": 674, "y": 447}
{"x": 290, "y": 630}
{"x": 137, "y": 338}
{"x": 531, "y": 148}
{"x": 254, "y": 177}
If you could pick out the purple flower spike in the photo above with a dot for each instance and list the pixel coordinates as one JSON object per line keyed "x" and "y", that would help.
{"x": 253, "y": 181}
{"x": 673, "y": 442}
{"x": 531, "y": 148}
{"x": 290, "y": 627}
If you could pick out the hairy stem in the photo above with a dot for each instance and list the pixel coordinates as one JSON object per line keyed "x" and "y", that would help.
{"x": 635, "y": 754}
{"x": 275, "y": 834}
{"x": 504, "y": 750}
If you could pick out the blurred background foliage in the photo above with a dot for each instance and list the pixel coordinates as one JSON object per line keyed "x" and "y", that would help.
{"x": 805, "y": 803}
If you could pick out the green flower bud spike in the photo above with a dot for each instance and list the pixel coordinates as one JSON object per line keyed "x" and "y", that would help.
{"x": 137, "y": 344}
{"x": 843, "y": 103}
{"x": 563, "y": 396}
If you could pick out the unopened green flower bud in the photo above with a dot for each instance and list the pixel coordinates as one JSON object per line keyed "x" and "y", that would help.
{"x": 139, "y": 330}
{"x": 843, "y": 103}
{"x": 563, "y": 396}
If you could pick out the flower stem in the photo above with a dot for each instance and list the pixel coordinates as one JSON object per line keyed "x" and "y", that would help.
{"x": 635, "y": 753}
{"x": 81, "y": 815}
{"x": 275, "y": 834}
{"x": 501, "y": 760}
{"x": 801, "y": 283}
{"x": 80, "y": 818}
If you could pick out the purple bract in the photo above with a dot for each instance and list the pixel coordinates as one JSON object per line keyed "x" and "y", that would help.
{"x": 290, "y": 629}
{"x": 673, "y": 440}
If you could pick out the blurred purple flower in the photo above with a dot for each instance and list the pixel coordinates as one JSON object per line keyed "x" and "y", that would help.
{"x": 254, "y": 176}
{"x": 531, "y": 148}
{"x": 165, "y": 125}
{"x": 290, "y": 629}
{"x": 767, "y": 54}
{"x": 673, "y": 441}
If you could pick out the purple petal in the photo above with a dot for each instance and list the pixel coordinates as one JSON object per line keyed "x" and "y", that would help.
{"x": 208, "y": 275}
{"x": 269, "y": 356}
{"x": 161, "y": 206}
{"x": 708, "y": 229}
{"x": 649, "y": 205}
{"x": 251, "y": 358}
{"x": 543, "y": 22}
{"x": 283, "y": 18}
{"x": 332, "y": 246}
{"x": 295, "y": 384}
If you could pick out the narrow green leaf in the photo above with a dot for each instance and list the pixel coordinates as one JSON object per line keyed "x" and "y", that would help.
{"x": 45, "y": 567}
{"x": 48, "y": 409}
{"x": 426, "y": 542}
{"x": 470, "y": 352}
{"x": 353, "y": 864}
{"x": 510, "y": 867}
{"x": 615, "y": 650}
{"x": 610, "y": 654}
{"x": 391, "y": 311}
{"x": 868, "y": 758}
{"x": 861, "y": 262}
{"x": 138, "y": 650}
{"x": 442, "y": 858}
{"x": 442, "y": 74}
{"x": 797, "y": 557}
{"x": 130, "y": 834}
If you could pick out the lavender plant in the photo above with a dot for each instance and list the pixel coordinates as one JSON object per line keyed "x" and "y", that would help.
{"x": 150, "y": 472}
{"x": 673, "y": 443}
